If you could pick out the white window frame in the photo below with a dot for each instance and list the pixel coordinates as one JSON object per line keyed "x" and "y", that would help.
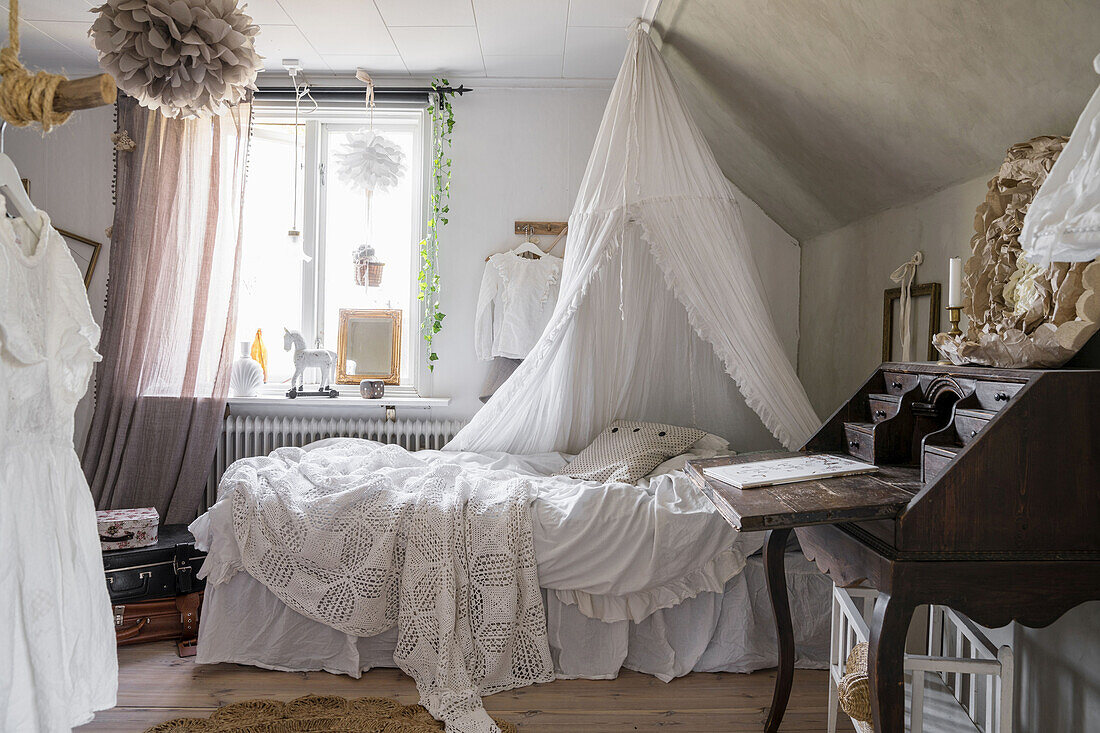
{"x": 316, "y": 127}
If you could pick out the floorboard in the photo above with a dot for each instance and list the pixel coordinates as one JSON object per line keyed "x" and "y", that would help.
{"x": 155, "y": 685}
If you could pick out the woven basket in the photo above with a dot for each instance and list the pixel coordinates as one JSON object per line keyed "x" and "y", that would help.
{"x": 854, "y": 688}
{"x": 374, "y": 273}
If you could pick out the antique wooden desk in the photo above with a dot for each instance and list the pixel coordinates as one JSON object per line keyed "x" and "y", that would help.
{"x": 987, "y": 501}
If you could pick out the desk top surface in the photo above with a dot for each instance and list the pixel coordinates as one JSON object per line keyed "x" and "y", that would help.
{"x": 880, "y": 495}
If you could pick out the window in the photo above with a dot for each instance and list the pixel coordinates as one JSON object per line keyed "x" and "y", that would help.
{"x": 302, "y": 283}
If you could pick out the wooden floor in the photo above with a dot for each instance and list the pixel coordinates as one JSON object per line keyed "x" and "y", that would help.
{"x": 155, "y": 685}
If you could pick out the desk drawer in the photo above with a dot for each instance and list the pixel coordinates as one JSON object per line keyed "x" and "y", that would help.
{"x": 859, "y": 442}
{"x": 968, "y": 423}
{"x": 883, "y": 408}
{"x": 994, "y": 395}
{"x": 898, "y": 383}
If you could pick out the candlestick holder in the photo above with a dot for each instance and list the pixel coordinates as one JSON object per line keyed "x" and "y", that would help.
{"x": 954, "y": 314}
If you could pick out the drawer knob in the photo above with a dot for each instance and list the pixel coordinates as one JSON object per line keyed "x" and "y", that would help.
{"x": 880, "y": 413}
{"x": 973, "y": 433}
{"x": 853, "y": 443}
{"x": 895, "y": 384}
{"x": 1001, "y": 397}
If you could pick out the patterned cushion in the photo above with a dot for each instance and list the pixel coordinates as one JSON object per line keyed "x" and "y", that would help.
{"x": 628, "y": 450}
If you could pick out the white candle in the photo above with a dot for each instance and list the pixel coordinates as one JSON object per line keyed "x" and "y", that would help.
{"x": 955, "y": 283}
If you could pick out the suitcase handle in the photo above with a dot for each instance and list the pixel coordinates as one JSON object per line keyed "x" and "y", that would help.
{"x": 119, "y": 538}
{"x": 126, "y": 595}
{"x": 130, "y": 633}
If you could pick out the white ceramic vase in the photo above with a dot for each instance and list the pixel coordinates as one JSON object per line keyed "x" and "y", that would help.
{"x": 247, "y": 376}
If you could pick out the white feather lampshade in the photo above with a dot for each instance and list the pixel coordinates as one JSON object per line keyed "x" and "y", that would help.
{"x": 370, "y": 161}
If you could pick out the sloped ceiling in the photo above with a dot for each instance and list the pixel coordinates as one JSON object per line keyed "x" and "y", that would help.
{"x": 827, "y": 111}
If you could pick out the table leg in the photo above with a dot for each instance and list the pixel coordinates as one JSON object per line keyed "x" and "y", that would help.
{"x": 775, "y": 545}
{"x": 886, "y": 661}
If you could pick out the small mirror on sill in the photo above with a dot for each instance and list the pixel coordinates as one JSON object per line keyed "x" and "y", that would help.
{"x": 368, "y": 346}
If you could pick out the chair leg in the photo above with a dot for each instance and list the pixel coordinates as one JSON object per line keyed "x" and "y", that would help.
{"x": 834, "y": 703}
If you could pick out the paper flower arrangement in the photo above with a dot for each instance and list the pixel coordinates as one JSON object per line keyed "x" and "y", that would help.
{"x": 370, "y": 161}
{"x": 186, "y": 58}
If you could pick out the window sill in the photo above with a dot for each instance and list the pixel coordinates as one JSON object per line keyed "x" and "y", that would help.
{"x": 349, "y": 398}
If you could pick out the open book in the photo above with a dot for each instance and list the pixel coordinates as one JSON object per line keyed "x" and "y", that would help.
{"x": 787, "y": 470}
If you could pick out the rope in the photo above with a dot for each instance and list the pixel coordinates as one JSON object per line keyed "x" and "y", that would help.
{"x": 26, "y": 98}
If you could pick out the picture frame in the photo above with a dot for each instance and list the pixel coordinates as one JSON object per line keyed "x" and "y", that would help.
{"x": 931, "y": 291}
{"x": 85, "y": 253}
{"x": 368, "y": 346}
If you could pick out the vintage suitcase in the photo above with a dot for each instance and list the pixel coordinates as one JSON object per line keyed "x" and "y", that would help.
{"x": 175, "y": 618}
{"x": 164, "y": 570}
{"x": 123, "y": 529}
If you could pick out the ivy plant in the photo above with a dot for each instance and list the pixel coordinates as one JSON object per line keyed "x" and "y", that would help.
{"x": 443, "y": 123}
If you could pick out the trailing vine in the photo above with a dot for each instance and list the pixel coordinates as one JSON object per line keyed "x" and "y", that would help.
{"x": 443, "y": 122}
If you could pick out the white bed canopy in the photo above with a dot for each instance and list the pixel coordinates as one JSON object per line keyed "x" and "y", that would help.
{"x": 660, "y": 301}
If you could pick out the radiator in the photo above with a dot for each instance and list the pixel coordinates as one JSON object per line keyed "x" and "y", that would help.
{"x": 244, "y": 436}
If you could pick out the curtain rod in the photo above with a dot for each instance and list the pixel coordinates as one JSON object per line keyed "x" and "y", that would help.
{"x": 387, "y": 93}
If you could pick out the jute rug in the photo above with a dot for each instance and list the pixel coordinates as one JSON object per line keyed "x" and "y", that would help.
{"x": 320, "y": 713}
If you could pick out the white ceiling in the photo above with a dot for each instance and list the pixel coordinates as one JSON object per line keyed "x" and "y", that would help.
{"x": 547, "y": 39}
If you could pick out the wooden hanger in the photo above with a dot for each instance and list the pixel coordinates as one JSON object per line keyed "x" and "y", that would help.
{"x": 529, "y": 249}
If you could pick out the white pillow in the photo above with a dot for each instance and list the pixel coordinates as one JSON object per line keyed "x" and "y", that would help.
{"x": 627, "y": 450}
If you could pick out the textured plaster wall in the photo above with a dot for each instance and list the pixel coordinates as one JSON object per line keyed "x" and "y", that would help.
{"x": 826, "y": 112}
{"x": 845, "y": 271}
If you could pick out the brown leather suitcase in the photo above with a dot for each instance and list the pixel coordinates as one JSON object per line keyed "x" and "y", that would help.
{"x": 167, "y": 618}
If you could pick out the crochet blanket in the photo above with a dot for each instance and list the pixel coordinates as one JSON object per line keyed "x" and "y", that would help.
{"x": 361, "y": 536}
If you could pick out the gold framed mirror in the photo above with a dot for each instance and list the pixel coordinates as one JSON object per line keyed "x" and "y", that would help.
{"x": 368, "y": 346}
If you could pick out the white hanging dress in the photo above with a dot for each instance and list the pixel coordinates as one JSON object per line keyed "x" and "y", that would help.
{"x": 57, "y": 647}
{"x": 1063, "y": 222}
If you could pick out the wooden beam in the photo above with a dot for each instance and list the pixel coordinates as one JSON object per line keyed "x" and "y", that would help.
{"x": 92, "y": 91}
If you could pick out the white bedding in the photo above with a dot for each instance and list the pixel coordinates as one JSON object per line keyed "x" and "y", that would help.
{"x": 616, "y": 551}
{"x": 648, "y": 576}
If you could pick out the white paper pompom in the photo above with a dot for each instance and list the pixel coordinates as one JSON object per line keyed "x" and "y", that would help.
{"x": 186, "y": 58}
{"x": 370, "y": 161}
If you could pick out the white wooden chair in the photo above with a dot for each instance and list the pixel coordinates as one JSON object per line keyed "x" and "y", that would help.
{"x": 971, "y": 686}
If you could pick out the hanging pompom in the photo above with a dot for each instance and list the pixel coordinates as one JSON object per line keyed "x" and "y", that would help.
{"x": 370, "y": 161}
{"x": 186, "y": 58}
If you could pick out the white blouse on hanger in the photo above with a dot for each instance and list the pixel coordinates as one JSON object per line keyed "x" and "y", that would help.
{"x": 516, "y": 301}
{"x": 1063, "y": 221}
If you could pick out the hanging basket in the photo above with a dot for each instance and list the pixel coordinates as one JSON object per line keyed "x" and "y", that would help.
{"x": 374, "y": 273}
{"x": 368, "y": 268}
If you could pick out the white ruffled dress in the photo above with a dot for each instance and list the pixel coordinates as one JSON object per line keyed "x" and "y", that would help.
{"x": 1063, "y": 221}
{"x": 57, "y": 647}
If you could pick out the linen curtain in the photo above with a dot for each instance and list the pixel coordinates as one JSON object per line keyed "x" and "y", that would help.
{"x": 171, "y": 310}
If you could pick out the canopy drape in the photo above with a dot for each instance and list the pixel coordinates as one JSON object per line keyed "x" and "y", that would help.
{"x": 661, "y": 313}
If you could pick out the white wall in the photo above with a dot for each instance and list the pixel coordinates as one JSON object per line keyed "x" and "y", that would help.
{"x": 71, "y": 172}
{"x": 519, "y": 153}
{"x": 843, "y": 275}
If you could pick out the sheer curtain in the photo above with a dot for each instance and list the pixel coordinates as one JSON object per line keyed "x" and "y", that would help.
{"x": 661, "y": 314}
{"x": 171, "y": 307}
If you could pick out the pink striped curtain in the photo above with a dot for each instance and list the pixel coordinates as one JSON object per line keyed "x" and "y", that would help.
{"x": 171, "y": 310}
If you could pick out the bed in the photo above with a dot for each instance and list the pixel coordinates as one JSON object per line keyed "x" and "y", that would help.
{"x": 645, "y": 577}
